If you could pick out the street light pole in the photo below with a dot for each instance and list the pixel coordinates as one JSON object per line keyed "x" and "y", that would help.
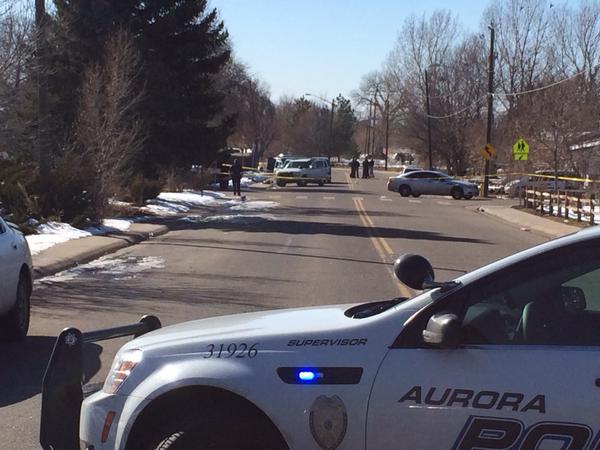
{"x": 428, "y": 109}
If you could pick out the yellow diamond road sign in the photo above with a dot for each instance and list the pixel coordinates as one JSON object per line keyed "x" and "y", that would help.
{"x": 520, "y": 150}
{"x": 488, "y": 152}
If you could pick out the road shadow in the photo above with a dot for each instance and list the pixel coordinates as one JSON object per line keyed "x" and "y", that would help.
{"x": 24, "y": 364}
{"x": 137, "y": 295}
{"x": 261, "y": 225}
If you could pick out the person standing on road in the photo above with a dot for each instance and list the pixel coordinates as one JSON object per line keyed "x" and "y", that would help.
{"x": 235, "y": 172}
{"x": 372, "y": 168}
{"x": 365, "y": 166}
{"x": 354, "y": 166}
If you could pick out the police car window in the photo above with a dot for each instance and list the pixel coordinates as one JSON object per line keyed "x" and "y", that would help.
{"x": 551, "y": 302}
{"x": 320, "y": 164}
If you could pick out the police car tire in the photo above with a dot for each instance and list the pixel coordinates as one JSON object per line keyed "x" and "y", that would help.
{"x": 199, "y": 431}
{"x": 15, "y": 324}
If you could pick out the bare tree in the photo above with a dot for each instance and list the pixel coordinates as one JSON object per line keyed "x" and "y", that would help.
{"x": 109, "y": 129}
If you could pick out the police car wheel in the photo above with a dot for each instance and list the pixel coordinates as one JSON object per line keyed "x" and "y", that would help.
{"x": 202, "y": 431}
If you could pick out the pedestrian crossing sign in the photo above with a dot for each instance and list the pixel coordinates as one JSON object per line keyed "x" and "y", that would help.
{"x": 520, "y": 150}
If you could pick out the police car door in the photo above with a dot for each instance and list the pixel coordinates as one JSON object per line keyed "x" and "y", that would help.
{"x": 522, "y": 371}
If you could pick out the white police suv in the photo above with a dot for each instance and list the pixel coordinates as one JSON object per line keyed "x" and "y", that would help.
{"x": 505, "y": 357}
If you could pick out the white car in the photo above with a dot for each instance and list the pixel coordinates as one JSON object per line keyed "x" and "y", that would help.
{"x": 16, "y": 278}
{"x": 430, "y": 182}
{"x": 303, "y": 171}
{"x": 505, "y": 357}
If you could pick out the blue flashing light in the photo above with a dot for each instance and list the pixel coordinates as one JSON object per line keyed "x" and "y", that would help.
{"x": 307, "y": 376}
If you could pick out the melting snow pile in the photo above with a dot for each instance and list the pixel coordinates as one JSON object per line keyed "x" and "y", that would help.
{"x": 250, "y": 206}
{"x": 231, "y": 218}
{"x": 173, "y": 203}
{"x": 52, "y": 233}
{"x": 119, "y": 268}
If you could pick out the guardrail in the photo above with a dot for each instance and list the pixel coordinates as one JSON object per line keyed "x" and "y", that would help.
{"x": 572, "y": 204}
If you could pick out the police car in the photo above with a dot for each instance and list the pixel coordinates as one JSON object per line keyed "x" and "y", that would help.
{"x": 505, "y": 357}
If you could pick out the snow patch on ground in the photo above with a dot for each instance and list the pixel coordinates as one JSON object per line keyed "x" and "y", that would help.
{"x": 235, "y": 205}
{"x": 119, "y": 268}
{"x": 52, "y": 233}
{"x": 231, "y": 218}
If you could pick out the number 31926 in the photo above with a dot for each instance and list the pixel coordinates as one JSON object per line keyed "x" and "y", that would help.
{"x": 231, "y": 351}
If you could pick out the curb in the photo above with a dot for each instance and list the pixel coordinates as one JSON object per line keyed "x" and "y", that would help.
{"x": 89, "y": 248}
{"x": 539, "y": 225}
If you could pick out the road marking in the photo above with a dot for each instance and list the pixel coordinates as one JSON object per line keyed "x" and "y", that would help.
{"x": 350, "y": 183}
{"x": 383, "y": 198}
{"x": 358, "y": 198}
{"x": 274, "y": 196}
{"x": 328, "y": 198}
{"x": 414, "y": 201}
{"x": 444, "y": 203}
{"x": 381, "y": 246}
{"x": 301, "y": 197}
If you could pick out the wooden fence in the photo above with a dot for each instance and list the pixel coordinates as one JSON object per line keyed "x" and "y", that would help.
{"x": 579, "y": 205}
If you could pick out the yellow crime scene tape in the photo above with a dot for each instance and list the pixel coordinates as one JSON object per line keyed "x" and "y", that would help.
{"x": 463, "y": 177}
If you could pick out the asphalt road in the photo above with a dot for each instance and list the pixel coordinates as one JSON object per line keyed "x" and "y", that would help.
{"x": 321, "y": 245}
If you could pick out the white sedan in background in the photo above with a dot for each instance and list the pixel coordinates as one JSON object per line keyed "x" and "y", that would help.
{"x": 432, "y": 183}
{"x": 16, "y": 281}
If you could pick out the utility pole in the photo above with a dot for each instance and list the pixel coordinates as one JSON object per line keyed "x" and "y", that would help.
{"x": 490, "y": 112}
{"x": 42, "y": 116}
{"x": 387, "y": 131}
{"x": 372, "y": 152}
{"x": 331, "y": 146}
{"x": 428, "y": 109}
{"x": 367, "y": 134}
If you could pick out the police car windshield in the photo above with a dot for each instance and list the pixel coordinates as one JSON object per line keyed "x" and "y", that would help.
{"x": 297, "y": 165}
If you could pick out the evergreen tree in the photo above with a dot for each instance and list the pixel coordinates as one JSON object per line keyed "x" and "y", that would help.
{"x": 343, "y": 128}
{"x": 182, "y": 46}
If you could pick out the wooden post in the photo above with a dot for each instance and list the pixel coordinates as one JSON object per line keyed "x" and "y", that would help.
{"x": 526, "y": 197}
{"x": 558, "y": 205}
{"x": 550, "y": 205}
{"x": 567, "y": 215}
{"x": 579, "y": 207}
{"x": 592, "y": 201}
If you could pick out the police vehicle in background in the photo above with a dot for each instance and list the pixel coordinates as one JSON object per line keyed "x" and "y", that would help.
{"x": 504, "y": 357}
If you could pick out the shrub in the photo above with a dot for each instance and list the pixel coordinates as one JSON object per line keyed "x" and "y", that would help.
{"x": 16, "y": 187}
{"x": 142, "y": 189}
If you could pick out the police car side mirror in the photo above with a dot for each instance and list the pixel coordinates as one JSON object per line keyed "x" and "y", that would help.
{"x": 443, "y": 331}
{"x": 414, "y": 271}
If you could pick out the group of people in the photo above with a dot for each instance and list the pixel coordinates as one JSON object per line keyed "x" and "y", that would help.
{"x": 367, "y": 168}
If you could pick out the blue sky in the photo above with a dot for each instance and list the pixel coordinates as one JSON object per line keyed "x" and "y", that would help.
{"x": 324, "y": 46}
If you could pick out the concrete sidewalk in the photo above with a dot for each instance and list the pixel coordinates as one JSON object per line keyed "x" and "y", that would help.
{"x": 80, "y": 251}
{"x": 528, "y": 222}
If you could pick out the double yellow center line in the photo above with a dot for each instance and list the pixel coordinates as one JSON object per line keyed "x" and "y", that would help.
{"x": 382, "y": 248}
